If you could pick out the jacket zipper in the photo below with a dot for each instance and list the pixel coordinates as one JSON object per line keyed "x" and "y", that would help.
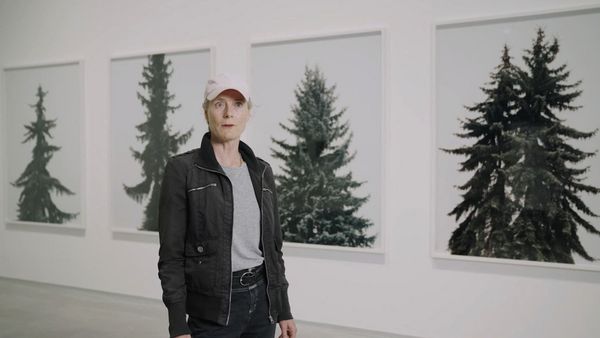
{"x": 262, "y": 234}
{"x": 230, "y": 240}
{"x": 203, "y": 187}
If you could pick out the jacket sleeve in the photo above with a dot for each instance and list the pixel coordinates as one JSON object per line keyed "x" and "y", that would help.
{"x": 172, "y": 225}
{"x": 285, "y": 312}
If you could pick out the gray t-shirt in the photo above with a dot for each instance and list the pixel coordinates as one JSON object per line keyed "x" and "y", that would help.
{"x": 245, "y": 252}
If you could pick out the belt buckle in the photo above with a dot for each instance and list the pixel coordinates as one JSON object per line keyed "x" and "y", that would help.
{"x": 247, "y": 274}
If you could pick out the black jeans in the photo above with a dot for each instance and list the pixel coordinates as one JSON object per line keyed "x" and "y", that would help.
{"x": 249, "y": 317}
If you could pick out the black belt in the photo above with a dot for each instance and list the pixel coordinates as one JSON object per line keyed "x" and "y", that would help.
{"x": 247, "y": 277}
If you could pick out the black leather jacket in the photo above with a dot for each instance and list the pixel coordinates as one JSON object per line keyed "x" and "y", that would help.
{"x": 195, "y": 228}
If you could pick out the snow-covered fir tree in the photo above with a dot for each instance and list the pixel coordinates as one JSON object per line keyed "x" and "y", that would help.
{"x": 35, "y": 201}
{"x": 316, "y": 199}
{"x": 155, "y": 132}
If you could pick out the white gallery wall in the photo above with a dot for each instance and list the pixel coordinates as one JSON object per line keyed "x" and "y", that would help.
{"x": 400, "y": 290}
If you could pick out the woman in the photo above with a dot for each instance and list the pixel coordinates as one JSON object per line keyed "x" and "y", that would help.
{"x": 220, "y": 258}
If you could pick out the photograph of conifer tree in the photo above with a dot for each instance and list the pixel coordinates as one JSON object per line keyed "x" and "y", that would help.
{"x": 37, "y": 184}
{"x": 318, "y": 206}
{"x": 157, "y": 113}
{"x": 530, "y": 187}
{"x": 318, "y": 122}
{"x": 159, "y": 142}
{"x": 43, "y": 118}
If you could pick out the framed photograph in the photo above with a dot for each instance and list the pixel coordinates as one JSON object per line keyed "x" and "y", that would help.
{"x": 318, "y": 120}
{"x": 152, "y": 95}
{"x": 517, "y": 171}
{"x": 44, "y": 145}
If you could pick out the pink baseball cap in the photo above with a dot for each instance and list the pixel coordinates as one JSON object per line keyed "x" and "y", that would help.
{"x": 222, "y": 82}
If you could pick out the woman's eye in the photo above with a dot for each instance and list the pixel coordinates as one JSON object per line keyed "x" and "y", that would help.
{"x": 219, "y": 104}
{"x": 239, "y": 104}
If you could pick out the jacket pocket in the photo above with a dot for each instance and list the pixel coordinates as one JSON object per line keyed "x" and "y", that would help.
{"x": 200, "y": 268}
{"x": 203, "y": 201}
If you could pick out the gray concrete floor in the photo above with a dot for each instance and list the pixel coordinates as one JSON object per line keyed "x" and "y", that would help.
{"x": 30, "y": 309}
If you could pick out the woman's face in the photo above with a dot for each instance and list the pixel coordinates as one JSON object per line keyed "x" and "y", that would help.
{"x": 227, "y": 116}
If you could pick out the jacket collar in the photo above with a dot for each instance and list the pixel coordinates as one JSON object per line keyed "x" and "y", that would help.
{"x": 206, "y": 158}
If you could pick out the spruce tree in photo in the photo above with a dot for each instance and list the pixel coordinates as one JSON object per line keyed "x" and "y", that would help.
{"x": 155, "y": 132}
{"x": 546, "y": 182}
{"x": 486, "y": 204}
{"x": 35, "y": 201}
{"x": 317, "y": 204}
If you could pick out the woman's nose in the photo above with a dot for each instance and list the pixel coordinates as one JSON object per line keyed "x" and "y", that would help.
{"x": 226, "y": 110}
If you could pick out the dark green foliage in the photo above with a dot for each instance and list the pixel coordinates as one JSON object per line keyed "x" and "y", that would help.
{"x": 546, "y": 182}
{"x": 35, "y": 203}
{"x": 317, "y": 204}
{"x": 486, "y": 202}
{"x": 156, "y": 134}
{"x": 523, "y": 199}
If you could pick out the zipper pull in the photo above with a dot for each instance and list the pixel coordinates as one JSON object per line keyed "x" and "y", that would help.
{"x": 271, "y": 319}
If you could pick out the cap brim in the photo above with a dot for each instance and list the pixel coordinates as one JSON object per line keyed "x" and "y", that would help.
{"x": 214, "y": 93}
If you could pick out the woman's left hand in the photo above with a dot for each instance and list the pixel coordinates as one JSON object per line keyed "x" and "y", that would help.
{"x": 288, "y": 329}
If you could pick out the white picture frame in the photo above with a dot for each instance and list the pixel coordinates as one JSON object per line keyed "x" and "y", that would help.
{"x": 482, "y": 39}
{"x": 63, "y": 82}
{"x": 277, "y": 67}
{"x": 191, "y": 67}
